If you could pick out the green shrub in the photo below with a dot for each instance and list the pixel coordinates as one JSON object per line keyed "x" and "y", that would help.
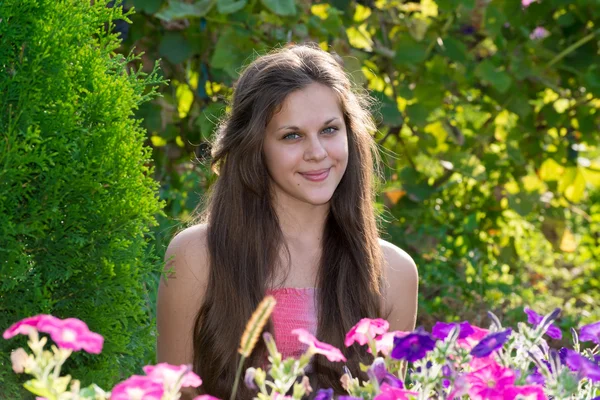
{"x": 77, "y": 197}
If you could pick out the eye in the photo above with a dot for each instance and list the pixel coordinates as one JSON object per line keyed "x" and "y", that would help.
{"x": 291, "y": 136}
{"x": 330, "y": 130}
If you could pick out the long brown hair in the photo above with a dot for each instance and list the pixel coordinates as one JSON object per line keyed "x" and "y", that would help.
{"x": 244, "y": 236}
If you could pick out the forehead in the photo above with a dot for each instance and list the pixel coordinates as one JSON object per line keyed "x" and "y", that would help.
{"x": 307, "y": 106}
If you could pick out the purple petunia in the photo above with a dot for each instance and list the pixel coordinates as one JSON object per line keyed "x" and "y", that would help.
{"x": 490, "y": 343}
{"x": 441, "y": 330}
{"x": 324, "y": 394}
{"x": 413, "y": 346}
{"x": 380, "y": 373}
{"x": 590, "y": 332}
{"x": 584, "y": 367}
{"x": 535, "y": 319}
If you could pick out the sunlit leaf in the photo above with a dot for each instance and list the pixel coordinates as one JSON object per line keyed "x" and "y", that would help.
{"x": 395, "y": 195}
{"x": 361, "y": 13}
{"x": 185, "y": 98}
{"x": 359, "y": 37}
{"x": 320, "y": 10}
{"x": 550, "y": 170}
{"x": 568, "y": 244}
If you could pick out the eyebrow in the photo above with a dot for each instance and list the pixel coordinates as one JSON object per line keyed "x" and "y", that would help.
{"x": 297, "y": 129}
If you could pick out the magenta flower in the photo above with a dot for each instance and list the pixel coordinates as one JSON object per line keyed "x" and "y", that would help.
{"x": 385, "y": 343}
{"x": 490, "y": 382}
{"x": 72, "y": 334}
{"x": 138, "y": 387}
{"x": 535, "y": 319}
{"x": 490, "y": 343}
{"x": 24, "y": 326}
{"x": 332, "y": 353}
{"x": 533, "y": 392}
{"x": 539, "y": 33}
{"x": 206, "y": 397}
{"x": 583, "y": 366}
{"x": 590, "y": 332}
{"x": 527, "y": 3}
{"x": 441, "y": 330}
{"x": 366, "y": 329}
{"x": 413, "y": 346}
{"x": 169, "y": 375}
{"x": 388, "y": 392}
{"x": 461, "y": 387}
{"x": 470, "y": 341}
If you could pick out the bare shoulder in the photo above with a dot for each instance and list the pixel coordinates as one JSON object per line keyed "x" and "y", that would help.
{"x": 401, "y": 285}
{"x": 180, "y": 294}
{"x": 187, "y": 254}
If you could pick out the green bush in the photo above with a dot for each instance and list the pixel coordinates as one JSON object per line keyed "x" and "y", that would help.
{"x": 77, "y": 196}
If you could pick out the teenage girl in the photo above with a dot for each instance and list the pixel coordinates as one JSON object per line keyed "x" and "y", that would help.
{"x": 291, "y": 214}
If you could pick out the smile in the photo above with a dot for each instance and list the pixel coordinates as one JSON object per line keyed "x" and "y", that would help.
{"x": 316, "y": 176}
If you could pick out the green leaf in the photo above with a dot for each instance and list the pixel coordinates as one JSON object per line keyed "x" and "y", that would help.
{"x": 178, "y": 9}
{"x": 230, "y": 6}
{"x": 281, "y": 7}
{"x": 499, "y": 79}
{"x": 389, "y": 110}
{"x": 175, "y": 47}
{"x": 455, "y": 50}
{"x": 418, "y": 114}
{"x": 231, "y": 50}
{"x": 209, "y": 118}
{"x": 147, "y": 6}
{"x": 409, "y": 51}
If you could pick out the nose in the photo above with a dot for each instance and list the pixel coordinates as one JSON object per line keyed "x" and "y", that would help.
{"x": 315, "y": 151}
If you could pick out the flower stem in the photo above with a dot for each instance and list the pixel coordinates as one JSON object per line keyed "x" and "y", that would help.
{"x": 238, "y": 374}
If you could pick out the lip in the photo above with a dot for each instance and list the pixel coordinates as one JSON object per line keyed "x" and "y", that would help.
{"x": 316, "y": 176}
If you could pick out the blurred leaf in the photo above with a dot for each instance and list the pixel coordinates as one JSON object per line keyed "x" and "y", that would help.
{"x": 175, "y": 47}
{"x": 418, "y": 114}
{"x": 231, "y": 50}
{"x": 284, "y": 8}
{"x": 394, "y": 195}
{"x": 550, "y": 170}
{"x": 359, "y": 37}
{"x": 230, "y": 6}
{"x": 568, "y": 244}
{"x": 409, "y": 51}
{"x": 209, "y": 118}
{"x": 455, "y": 50}
{"x": 185, "y": 98}
{"x": 147, "y": 6}
{"x": 178, "y": 9}
{"x": 488, "y": 72}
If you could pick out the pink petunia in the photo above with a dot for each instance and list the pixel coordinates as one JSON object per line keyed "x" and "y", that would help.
{"x": 138, "y": 387}
{"x": 470, "y": 341}
{"x": 24, "y": 326}
{"x": 527, "y": 3}
{"x": 169, "y": 375}
{"x": 388, "y": 392}
{"x": 531, "y": 392}
{"x": 385, "y": 342}
{"x": 461, "y": 387}
{"x": 71, "y": 333}
{"x": 490, "y": 382}
{"x": 366, "y": 329}
{"x": 332, "y": 353}
{"x": 206, "y": 397}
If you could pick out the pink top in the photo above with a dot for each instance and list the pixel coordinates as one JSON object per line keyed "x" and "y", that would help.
{"x": 295, "y": 309}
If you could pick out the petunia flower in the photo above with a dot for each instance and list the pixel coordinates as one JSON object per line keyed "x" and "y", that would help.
{"x": 533, "y": 392}
{"x": 539, "y": 33}
{"x": 169, "y": 375}
{"x": 24, "y": 326}
{"x": 535, "y": 319}
{"x": 470, "y": 341}
{"x": 387, "y": 392}
{"x": 385, "y": 343}
{"x": 413, "y": 346}
{"x": 583, "y": 366}
{"x": 490, "y": 343}
{"x": 461, "y": 387}
{"x": 441, "y": 330}
{"x": 535, "y": 377}
{"x": 490, "y": 382}
{"x": 316, "y": 347}
{"x": 590, "y": 332}
{"x": 324, "y": 394}
{"x": 379, "y": 372}
{"x": 206, "y": 397}
{"x": 72, "y": 334}
{"x": 366, "y": 329}
{"x": 527, "y": 3}
{"x": 137, "y": 387}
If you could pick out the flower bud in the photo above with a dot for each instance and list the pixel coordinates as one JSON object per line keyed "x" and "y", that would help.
{"x": 19, "y": 360}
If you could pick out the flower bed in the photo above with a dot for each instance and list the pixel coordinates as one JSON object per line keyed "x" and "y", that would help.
{"x": 454, "y": 361}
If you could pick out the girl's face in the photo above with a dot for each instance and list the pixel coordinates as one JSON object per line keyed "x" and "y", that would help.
{"x": 306, "y": 146}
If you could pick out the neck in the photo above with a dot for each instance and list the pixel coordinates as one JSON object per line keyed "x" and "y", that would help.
{"x": 299, "y": 221}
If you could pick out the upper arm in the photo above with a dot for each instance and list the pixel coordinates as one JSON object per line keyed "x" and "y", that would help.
{"x": 401, "y": 287}
{"x": 180, "y": 295}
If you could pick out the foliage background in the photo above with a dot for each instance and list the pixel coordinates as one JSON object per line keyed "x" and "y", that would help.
{"x": 488, "y": 122}
{"x": 77, "y": 194}
{"x": 488, "y": 125}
